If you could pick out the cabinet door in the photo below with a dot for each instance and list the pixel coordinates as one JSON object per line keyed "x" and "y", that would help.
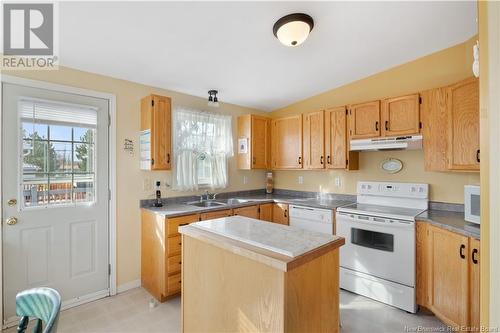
{"x": 280, "y": 213}
{"x": 287, "y": 142}
{"x": 463, "y": 125}
{"x": 314, "y": 140}
{"x": 266, "y": 212}
{"x": 434, "y": 129}
{"x": 215, "y": 215}
{"x": 401, "y": 115}
{"x": 260, "y": 142}
{"x": 336, "y": 138}
{"x": 156, "y": 116}
{"x": 474, "y": 265}
{"x": 449, "y": 272}
{"x": 249, "y": 211}
{"x": 365, "y": 120}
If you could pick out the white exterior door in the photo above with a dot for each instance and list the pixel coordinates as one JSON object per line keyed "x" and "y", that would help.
{"x": 55, "y": 194}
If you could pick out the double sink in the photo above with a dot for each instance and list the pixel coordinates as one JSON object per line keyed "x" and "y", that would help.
{"x": 216, "y": 203}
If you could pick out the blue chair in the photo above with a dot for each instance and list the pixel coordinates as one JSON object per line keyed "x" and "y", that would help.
{"x": 41, "y": 303}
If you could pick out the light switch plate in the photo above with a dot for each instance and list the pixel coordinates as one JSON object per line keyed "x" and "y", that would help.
{"x": 338, "y": 181}
{"x": 245, "y": 180}
{"x": 300, "y": 179}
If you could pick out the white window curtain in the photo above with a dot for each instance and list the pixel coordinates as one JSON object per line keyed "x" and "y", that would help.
{"x": 202, "y": 144}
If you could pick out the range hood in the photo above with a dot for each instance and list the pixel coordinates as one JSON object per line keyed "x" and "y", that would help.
{"x": 409, "y": 142}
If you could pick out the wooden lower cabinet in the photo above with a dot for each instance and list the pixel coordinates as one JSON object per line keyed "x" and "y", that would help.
{"x": 161, "y": 253}
{"x": 447, "y": 276}
{"x": 266, "y": 212}
{"x": 280, "y": 213}
{"x": 215, "y": 215}
{"x": 248, "y": 211}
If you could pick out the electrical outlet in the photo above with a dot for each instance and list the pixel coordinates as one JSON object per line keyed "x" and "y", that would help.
{"x": 245, "y": 180}
{"x": 338, "y": 181}
{"x": 300, "y": 179}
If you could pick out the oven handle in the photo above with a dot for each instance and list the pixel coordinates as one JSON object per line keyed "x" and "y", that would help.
{"x": 352, "y": 217}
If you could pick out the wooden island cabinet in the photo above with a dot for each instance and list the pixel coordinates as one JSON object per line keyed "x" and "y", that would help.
{"x": 288, "y": 290}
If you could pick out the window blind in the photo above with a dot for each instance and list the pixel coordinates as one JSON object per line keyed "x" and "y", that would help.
{"x": 42, "y": 111}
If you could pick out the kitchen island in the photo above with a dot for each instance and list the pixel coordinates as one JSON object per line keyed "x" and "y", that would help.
{"x": 244, "y": 275}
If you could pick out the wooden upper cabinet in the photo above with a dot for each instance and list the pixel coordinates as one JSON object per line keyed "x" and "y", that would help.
{"x": 257, "y": 130}
{"x": 287, "y": 142}
{"x": 401, "y": 115}
{"x": 364, "y": 120}
{"x": 314, "y": 140}
{"x": 463, "y": 125}
{"x": 156, "y": 116}
{"x": 337, "y": 151}
{"x": 433, "y": 112}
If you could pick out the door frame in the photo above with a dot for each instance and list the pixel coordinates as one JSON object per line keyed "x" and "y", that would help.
{"x": 111, "y": 169}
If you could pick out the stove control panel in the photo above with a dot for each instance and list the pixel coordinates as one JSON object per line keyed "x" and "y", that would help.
{"x": 393, "y": 189}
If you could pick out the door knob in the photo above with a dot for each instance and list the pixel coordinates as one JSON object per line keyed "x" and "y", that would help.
{"x": 12, "y": 202}
{"x": 11, "y": 220}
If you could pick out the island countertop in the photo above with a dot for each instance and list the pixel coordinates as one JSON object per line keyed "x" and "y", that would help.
{"x": 280, "y": 246}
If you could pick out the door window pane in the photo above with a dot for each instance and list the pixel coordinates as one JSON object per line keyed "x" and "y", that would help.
{"x": 83, "y": 158}
{"x": 83, "y": 190}
{"x": 60, "y": 188}
{"x": 60, "y": 133}
{"x": 58, "y": 157}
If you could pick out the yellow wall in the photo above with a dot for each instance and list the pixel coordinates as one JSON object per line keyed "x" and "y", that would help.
{"x": 438, "y": 69}
{"x": 129, "y": 178}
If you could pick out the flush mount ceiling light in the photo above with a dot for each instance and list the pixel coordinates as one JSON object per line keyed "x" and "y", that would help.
{"x": 292, "y": 30}
{"x": 212, "y": 98}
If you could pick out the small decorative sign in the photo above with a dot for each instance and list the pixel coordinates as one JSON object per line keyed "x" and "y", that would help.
{"x": 243, "y": 146}
{"x": 391, "y": 165}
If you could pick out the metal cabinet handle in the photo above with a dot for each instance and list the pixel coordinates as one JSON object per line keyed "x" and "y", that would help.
{"x": 386, "y": 125}
{"x": 321, "y": 160}
{"x": 376, "y": 126}
{"x": 328, "y": 160}
{"x": 300, "y": 160}
{"x": 474, "y": 253}
{"x": 168, "y": 158}
{"x": 462, "y": 248}
{"x": 285, "y": 214}
{"x": 478, "y": 152}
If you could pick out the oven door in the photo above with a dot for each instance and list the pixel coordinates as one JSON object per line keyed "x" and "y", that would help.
{"x": 383, "y": 248}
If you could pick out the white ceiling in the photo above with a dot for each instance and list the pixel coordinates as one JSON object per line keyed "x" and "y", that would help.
{"x": 192, "y": 47}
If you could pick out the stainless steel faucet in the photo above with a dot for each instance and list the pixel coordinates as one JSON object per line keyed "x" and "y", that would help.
{"x": 208, "y": 196}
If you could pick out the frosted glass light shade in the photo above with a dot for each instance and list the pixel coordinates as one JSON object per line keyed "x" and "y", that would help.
{"x": 292, "y": 30}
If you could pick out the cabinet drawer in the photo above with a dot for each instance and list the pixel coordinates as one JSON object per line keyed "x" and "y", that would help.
{"x": 215, "y": 215}
{"x": 174, "y": 246}
{"x": 174, "y": 264}
{"x": 174, "y": 283}
{"x": 174, "y": 223}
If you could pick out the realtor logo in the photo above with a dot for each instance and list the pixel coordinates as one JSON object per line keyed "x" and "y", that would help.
{"x": 30, "y": 36}
{"x": 28, "y": 29}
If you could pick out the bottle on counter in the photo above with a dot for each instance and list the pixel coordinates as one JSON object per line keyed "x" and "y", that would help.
{"x": 269, "y": 183}
{"x": 158, "y": 202}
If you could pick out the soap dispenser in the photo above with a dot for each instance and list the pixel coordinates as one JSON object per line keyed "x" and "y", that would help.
{"x": 158, "y": 202}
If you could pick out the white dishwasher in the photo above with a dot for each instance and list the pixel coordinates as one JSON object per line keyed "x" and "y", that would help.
{"x": 313, "y": 219}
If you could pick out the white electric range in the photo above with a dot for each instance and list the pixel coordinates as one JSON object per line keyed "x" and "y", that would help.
{"x": 378, "y": 258}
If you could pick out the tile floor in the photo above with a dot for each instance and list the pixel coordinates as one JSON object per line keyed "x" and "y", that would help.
{"x": 130, "y": 312}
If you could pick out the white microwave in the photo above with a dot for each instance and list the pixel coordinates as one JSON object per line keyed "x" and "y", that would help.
{"x": 472, "y": 204}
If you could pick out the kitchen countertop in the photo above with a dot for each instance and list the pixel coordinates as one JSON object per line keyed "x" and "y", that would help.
{"x": 174, "y": 209}
{"x": 274, "y": 244}
{"x": 452, "y": 221}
